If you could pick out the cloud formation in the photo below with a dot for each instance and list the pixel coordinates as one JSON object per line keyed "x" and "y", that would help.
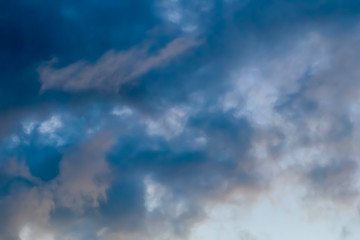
{"x": 132, "y": 121}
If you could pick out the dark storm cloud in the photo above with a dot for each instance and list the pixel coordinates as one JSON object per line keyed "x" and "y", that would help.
{"x": 154, "y": 109}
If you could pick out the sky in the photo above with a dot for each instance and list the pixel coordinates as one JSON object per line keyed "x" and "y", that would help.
{"x": 179, "y": 120}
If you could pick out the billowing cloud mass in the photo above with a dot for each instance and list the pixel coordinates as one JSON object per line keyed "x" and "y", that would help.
{"x": 183, "y": 120}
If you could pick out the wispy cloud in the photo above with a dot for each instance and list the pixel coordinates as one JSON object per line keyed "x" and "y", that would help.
{"x": 113, "y": 69}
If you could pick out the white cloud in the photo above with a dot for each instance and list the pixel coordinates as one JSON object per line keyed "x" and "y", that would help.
{"x": 29, "y": 126}
{"x": 169, "y": 125}
{"x": 49, "y": 129}
{"x": 122, "y": 111}
{"x": 50, "y": 126}
{"x": 154, "y": 193}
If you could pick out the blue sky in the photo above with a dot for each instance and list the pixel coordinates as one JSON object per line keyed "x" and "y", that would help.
{"x": 179, "y": 120}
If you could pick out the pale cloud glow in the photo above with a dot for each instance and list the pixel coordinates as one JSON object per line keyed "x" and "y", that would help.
{"x": 279, "y": 215}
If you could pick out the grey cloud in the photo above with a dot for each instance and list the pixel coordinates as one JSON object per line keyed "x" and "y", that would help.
{"x": 84, "y": 175}
{"x": 113, "y": 69}
{"x": 246, "y": 235}
{"x": 336, "y": 180}
{"x": 25, "y": 207}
